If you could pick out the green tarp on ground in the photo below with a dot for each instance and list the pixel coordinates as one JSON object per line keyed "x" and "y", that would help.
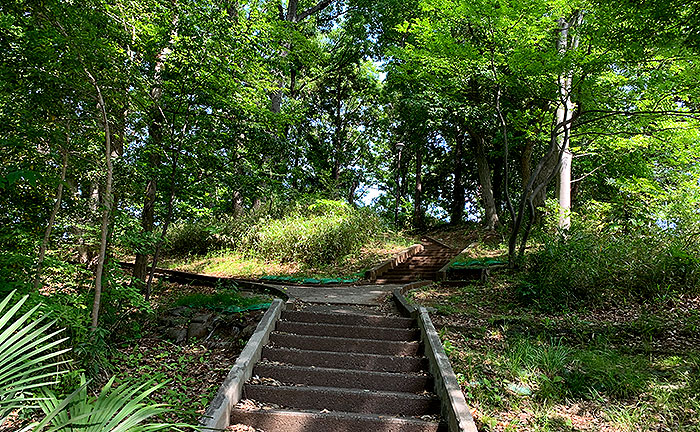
{"x": 481, "y": 262}
{"x": 310, "y": 280}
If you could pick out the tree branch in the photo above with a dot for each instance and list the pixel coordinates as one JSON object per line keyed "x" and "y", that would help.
{"x": 312, "y": 10}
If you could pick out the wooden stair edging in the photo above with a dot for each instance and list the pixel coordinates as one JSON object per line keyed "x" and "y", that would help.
{"x": 374, "y": 273}
{"x": 399, "y": 297}
{"x": 434, "y": 240}
{"x": 187, "y": 277}
{"x": 218, "y": 414}
{"x": 442, "y": 273}
{"x": 453, "y": 405}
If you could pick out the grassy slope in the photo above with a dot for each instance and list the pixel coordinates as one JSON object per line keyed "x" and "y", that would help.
{"x": 235, "y": 264}
{"x": 631, "y": 368}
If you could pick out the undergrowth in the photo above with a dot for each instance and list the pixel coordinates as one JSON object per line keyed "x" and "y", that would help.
{"x": 312, "y": 234}
{"x": 620, "y": 369}
{"x": 594, "y": 266}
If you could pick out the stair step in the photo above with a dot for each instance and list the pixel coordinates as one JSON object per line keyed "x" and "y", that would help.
{"x": 296, "y": 421}
{"x": 344, "y": 378}
{"x": 412, "y": 271}
{"x": 349, "y": 400}
{"x": 348, "y": 319}
{"x": 398, "y": 281}
{"x": 347, "y": 331}
{"x": 323, "y": 343}
{"x": 354, "y": 361}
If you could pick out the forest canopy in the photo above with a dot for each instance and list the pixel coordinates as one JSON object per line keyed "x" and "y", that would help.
{"x": 121, "y": 118}
{"x": 145, "y": 129}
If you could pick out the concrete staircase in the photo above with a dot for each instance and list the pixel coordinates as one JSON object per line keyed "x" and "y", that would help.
{"x": 341, "y": 372}
{"x": 422, "y": 266}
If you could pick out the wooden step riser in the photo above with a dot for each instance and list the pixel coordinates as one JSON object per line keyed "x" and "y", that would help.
{"x": 348, "y": 319}
{"x": 342, "y": 378}
{"x": 288, "y": 421}
{"x": 343, "y": 331}
{"x": 352, "y": 361}
{"x": 345, "y": 345}
{"x": 357, "y": 401}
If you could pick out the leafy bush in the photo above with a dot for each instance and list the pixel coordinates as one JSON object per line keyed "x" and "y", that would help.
{"x": 589, "y": 265}
{"x": 29, "y": 365}
{"x": 121, "y": 409}
{"x": 191, "y": 237}
{"x": 319, "y": 235}
{"x": 314, "y": 234}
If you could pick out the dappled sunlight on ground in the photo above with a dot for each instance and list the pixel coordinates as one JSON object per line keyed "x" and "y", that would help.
{"x": 610, "y": 368}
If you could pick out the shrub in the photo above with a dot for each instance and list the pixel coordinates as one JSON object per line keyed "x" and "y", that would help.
{"x": 589, "y": 265}
{"x": 320, "y": 234}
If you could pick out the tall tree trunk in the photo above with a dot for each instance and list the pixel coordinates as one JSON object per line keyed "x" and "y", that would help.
{"x": 418, "y": 192}
{"x": 491, "y": 213}
{"x": 564, "y": 116}
{"x": 147, "y": 221}
{"x": 54, "y": 212}
{"x": 498, "y": 188}
{"x": 293, "y": 16}
{"x": 155, "y": 131}
{"x": 337, "y": 137}
{"x": 399, "y": 193}
{"x": 458, "y": 199}
{"x": 106, "y": 208}
{"x": 237, "y": 203}
{"x": 351, "y": 191}
{"x": 166, "y": 225}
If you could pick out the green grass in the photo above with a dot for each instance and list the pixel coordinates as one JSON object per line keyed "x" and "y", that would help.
{"x": 631, "y": 369}
{"x": 231, "y": 263}
{"x": 229, "y": 298}
{"x": 319, "y": 239}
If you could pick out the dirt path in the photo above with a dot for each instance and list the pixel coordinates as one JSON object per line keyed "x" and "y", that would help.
{"x": 369, "y": 295}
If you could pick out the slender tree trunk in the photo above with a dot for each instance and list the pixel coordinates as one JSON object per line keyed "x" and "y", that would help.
{"x": 107, "y": 197}
{"x": 457, "y": 213}
{"x": 155, "y": 131}
{"x": 166, "y": 225}
{"x": 52, "y": 217}
{"x": 106, "y": 208}
{"x": 397, "y": 203}
{"x": 491, "y": 213}
{"x": 564, "y": 114}
{"x": 526, "y": 163}
{"x": 418, "y": 193}
{"x": 147, "y": 221}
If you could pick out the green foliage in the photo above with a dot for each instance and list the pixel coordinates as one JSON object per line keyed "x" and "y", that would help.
{"x": 222, "y": 300}
{"x": 542, "y": 366}
{"x": 120, "y": 409}
{"x": 607, "y": 372}
{"x": 318, "y": 236}
{"x": 319, "y": 233}
{"x": 590, "y": 265}
{"x": 29, "y": 358}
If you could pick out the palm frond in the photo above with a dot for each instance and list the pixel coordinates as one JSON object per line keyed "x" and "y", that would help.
{"x": 28, "y": 358}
